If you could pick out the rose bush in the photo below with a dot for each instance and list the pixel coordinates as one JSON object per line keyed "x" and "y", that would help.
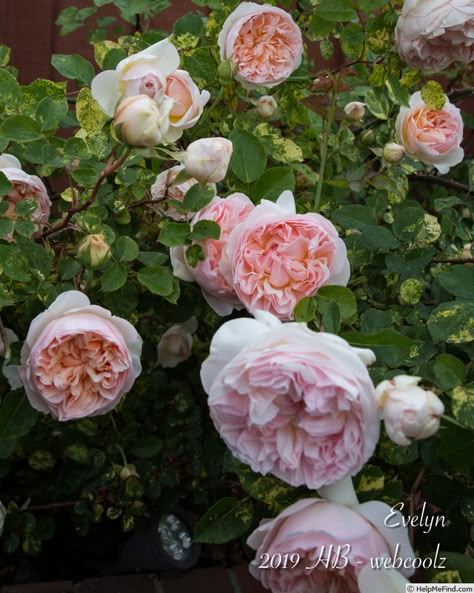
{"x": 291, "y": 402}
{"x": 78, "y": 360}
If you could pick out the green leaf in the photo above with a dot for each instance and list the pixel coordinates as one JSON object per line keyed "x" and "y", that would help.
{"x": 38, "y": 257}
{"x": 462, "y": 401}
{"x": 200, "y": 63}
{"x": 452, "y": 322}
{"x": 370, "y": 6}
{"x": 89, "y": 114}
{"x": 343, "y": 297}
{"x": 68, "y": 267}
{"x": 14, "y": 263}
{"x": 377, "y": 238}
{"x": 377, "y": 104}
{"x": 50, "y": 112}
{"x": 205, "y": 229}
{"x": 433, "y": 95}
{"x": 16, "y": 415}
{"x": 5, "y": 187}
{"x": 336, "y": 10}
{"x": 391, "y": 348}
{"x": 458, "y": 281}
{"x": 10, "y": 92}
{"x": 157, "y": 280}
{"x": 6, "y": 226}
{"x": 174, "y": 233}
{"x": 396, "y": 455}
{"x": 305, "y": 309}
{"x": 114, "y": 278}
{"x": 248, "y": 159}
{"x": 4, "y": 55}
{"x": 189, "y": 24}
{"x": 449, "y": 371}
{"x": 73, "y": 66}
{"x": 352, "y": 41}
{"x": 20, "y": 128}
{"x": 126, "y": 249}
{"x": 147, "y": 446}
{"x": 272, "y": 183}
{"x": 226, "y": 520}
{"x": 194, "y": 254}
{"x": 153, "y": 259}
{"x": 197, "y": 198}
{"x": 354, "y": 216}
{"x": 407, "y": 223}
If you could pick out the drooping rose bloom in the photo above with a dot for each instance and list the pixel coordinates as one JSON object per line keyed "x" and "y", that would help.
{"x": 263, "y": 41}
{"x": 409, "y": 411}
{"x": 431, "y": 135}
{"x": 276, "y": 257}
{"x": 291, "y": 402}
{"x": 432, "y": 34}
{"x": 188, "y": 103}
{"x": 24, "y": 187}
{"x": 78, "y": 360}
{"x": 314, "y": 529}
{"x": 228, "y": 213}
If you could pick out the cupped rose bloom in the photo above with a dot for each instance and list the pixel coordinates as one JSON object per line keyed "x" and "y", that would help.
{"x": 432, "y": 34}
{"x": 207, "y": 159}
{"x": 188, "y": 103}
{"x": 276, "y": 257}
{"x": 431, "y": 135}
{"x": 334, "y": 544}
{"x": 228, "y": 213}
{"x": 78, "y": 360}
{"x": 291, "y": 402}
{"x": 263, "y": 41}
{"x": 141, "y": 122}
{"x": 144, "y": 73}
{"x": 176, "y": 343}
{"x": 24, "y": 187}
{"x": 409, "y": 411}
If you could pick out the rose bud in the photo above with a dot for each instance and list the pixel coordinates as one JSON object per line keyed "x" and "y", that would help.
{"x": 355, "y": 110}
{"x": 408, "y": 410}
{"x": 393, "y": 152}
{"x": 176, "y": 343}
{"x": 141, "y": 122}
{"x": 266, "y": 106}
{"x": 93, "y": 250}
{"x": 207, "y": 159}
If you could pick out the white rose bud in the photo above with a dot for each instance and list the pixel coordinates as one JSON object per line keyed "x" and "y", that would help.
{"x": 355, "y": 110}
{"x": 207, "y": 159}
{"x": 466, "y": 252}
{"x": 176, "y": 344}
{"x": 3, "y": 514}
{"x": 141, "y": 122}
{"x": 94, "y": 250}
{"x": 393, "y": 152}
{"x": 408, "y": 410}
{"x": 266, "y": 106}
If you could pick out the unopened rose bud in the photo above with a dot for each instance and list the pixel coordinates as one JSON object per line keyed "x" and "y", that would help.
{"x": 176, "y": 343}
{"x": 466, "y": 252}
{"x": 408, "y": 410}
{"x": 94, "y": 250}
{"x": 207, "y": 159}
{"x": 355, "y": 110}
{"x": 226, "y": 71}
{"x": 127, "y": 471}
{"x": 367, "y": 137}
{"x": 3, "y": 514}
{"x": 139, "y": 121}
{"x": 393, "y": 152}
{"x": 266, "y": 106}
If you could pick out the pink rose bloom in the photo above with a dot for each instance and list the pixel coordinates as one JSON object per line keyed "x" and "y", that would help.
{"x": 188, "y": 103}
{"x": 143, "y": 73}
{"x": 264, "y": 42}
{"x": 432, "y": 136}
{"x": 291, "y": 402}
{"x": 276, "y": 257}
{"x": 165, "y": 189}
{"x": 432, "y": 34}
{"x": 309, "y": 528}
{"x": 24, "y": 187}
{"x": 228, "y": 213}
{"x": 78, "y": 360}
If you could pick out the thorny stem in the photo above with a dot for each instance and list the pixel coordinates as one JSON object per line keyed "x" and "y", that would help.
{"x": 52, "y": 506}
{"x": 441, "y": 181}
{"x": 327, "y": 124}
{"x": 109, "y": 169}
{"x": 461, "y": 93}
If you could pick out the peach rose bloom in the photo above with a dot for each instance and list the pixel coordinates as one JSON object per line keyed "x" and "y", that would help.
{"x": 24, "y": 187}
{"x": 432, "y": 34}
{"x": 432, "y": 136}
{"x": 188, "y": 103}
{"x": 276, "y": 257}
{"x": 291, "y": 402}
{"x": 264, "y": 42}
{"x": 309, "y": 527}
{"x": 219, "y": 294}
{"x": 78, "y": 360}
